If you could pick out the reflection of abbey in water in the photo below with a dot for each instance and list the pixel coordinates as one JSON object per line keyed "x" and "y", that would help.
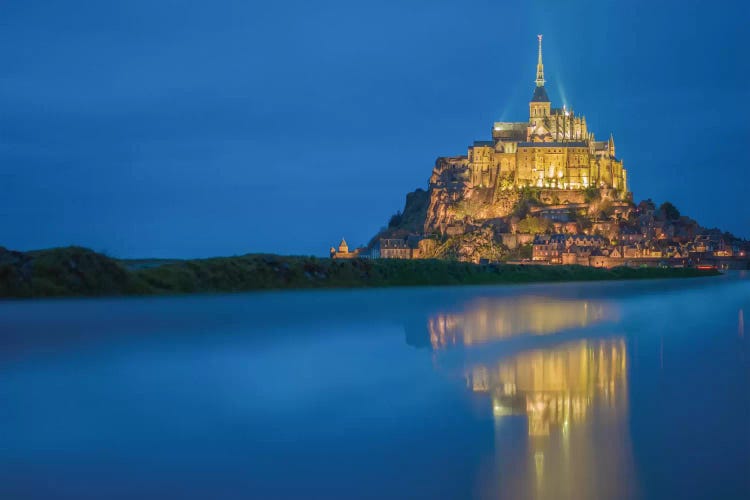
{"x": 558, "y": 386}
{"x": 493, "y": 319}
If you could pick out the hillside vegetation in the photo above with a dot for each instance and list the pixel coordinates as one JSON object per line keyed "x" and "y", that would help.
{"x": 71, "y": 271}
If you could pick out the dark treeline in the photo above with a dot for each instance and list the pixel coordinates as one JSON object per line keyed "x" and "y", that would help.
{"x": 75, "y": 271}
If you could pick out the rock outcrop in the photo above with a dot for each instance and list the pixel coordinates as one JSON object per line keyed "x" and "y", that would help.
{"x": 406, "y": 222}
{"x": 475, "y": 245}
{"x": 449, "y": 185}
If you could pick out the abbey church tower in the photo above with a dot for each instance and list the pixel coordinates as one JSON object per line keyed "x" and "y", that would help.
{"x": 539, "y": 107}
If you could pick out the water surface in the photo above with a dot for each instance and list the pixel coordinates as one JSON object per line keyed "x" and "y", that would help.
{"x": 595, "y": 390}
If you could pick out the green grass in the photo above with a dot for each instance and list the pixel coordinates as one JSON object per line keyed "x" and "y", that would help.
{"x": 80, "y": 272}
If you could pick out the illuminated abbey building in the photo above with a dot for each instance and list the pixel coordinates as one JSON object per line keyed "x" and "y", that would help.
{"x": 553, "y": 149}
{"x": 548, "y": 184}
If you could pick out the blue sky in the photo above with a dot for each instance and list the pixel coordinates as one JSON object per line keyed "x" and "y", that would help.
{"x": 192, "y": 129}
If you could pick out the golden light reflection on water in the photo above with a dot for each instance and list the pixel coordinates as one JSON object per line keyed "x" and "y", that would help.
{"x": 501, "y": 318}
{"x": 741, "y": 324}
{"x": 555, "y": 386}
{"x": 560, "y": 412}
{"x": 574, "y": 400}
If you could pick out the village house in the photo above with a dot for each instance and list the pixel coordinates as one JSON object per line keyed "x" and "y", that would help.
{"x": 548, "y": 248}
{"x": 553, "y": 247}
{"x": 630, "y": 235}
{"x": 586, "y": 240}
{"x": 579, "y": 255}
{"x": 394, "y": 248}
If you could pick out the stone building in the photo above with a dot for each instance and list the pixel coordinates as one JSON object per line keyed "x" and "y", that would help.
{"x": 566, "y": 248}
{"x": 342, "y": 252}
{"x": 395, "y": 248}
{"x": 553, "y": 150}
{"x": 548, "y": 248}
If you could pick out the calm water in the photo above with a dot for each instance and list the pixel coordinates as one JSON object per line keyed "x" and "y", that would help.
{"x": 612, "y": 390}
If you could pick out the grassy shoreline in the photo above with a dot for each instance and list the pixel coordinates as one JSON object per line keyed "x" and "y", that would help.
{"x": 79, "y": 272}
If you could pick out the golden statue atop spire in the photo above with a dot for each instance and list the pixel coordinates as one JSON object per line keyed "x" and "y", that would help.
{"x": 539, "y": 65}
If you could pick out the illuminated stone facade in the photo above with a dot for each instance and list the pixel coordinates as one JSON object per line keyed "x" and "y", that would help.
{"x": 554, "y": 149}
{"x": 342, "y": 252}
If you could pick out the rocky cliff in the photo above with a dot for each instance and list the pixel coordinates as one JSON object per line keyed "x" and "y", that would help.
{"x": 475, "y": 245}
{"x": 409, "y": 221}
{"x": 454, "y": 201}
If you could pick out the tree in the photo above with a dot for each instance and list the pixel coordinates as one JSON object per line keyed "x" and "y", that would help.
{"x": 521, "y": 209}
{"x": 525, "y": 251}
{"x": 395, "y": 220}
{"x": 605, "y": 210}
{"x": 527, "y": 197}
{"x": 534, "y": 225}
{"x": 507, "y": 181}
{"x": 591, "y": 194}
{"x": 669, "y": 211}
{"x": 584, "y": 222}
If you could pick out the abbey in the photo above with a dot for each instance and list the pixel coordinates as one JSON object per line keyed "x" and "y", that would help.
{"x": 545, "y": 191}
{"x": 554, "y": 149}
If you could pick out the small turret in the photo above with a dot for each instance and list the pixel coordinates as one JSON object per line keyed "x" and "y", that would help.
{"x": 343, "y": 247}
{"x": 611, "y": 146}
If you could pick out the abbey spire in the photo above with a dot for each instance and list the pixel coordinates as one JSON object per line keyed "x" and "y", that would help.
{"x": 539, "y": 65}
{"x": 539, "y": 107}
{"x": 540, "y": 101}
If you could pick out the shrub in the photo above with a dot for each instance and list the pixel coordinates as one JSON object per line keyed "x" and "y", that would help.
{"x": 534, "y": 225}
